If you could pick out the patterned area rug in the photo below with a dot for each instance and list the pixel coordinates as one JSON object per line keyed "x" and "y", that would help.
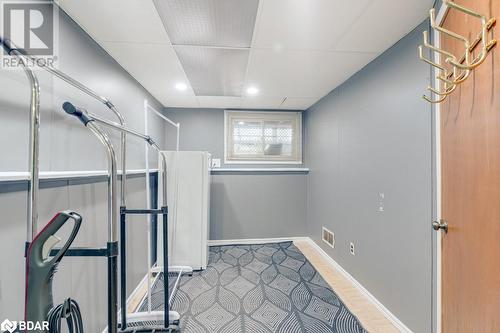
{"x": 258, "y": 288}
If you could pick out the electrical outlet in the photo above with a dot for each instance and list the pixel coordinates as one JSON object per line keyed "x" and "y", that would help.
{"x": 351, "y": 248}
{"x": 328, "y": 237}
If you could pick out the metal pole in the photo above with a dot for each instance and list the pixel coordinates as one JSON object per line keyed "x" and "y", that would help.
{"x": 112, "y": 214}
{"x": 148, "y": 201}
{"x": 178, "y": 135}
{"x": 112, "y": 228}
{"x": 159, "y": 114}
{"x": 166, "y": 308}
{"x": 34, "y": 154}
{"x": 120, "y": 127}
{"x": 105, "y": 101}
{"x": 112, "y": 177}
{"x": 34, "y": 139}
{"x": 123, "y": 269}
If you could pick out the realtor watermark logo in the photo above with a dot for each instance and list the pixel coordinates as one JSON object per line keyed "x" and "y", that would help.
{"x": 23, "y": 326}
{"x": 32, "y": 26}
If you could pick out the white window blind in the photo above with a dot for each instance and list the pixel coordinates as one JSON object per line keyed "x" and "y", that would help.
{"x": 263, "y": 137}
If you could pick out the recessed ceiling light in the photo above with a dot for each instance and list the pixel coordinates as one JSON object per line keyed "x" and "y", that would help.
{"x": 252, "y": 91}
{"x": 181, "y": 86}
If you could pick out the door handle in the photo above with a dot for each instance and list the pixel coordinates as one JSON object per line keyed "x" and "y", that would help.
{"x": 441, "y": 224}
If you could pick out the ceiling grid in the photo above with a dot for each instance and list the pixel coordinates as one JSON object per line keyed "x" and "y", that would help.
{"x": 293, "y": 52}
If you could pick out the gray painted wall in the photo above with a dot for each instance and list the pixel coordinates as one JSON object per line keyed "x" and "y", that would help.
{"x": 84, "y": 279}
{"x": 257, "y": 205}
{"x": 371, "y": 135}
{"x": 66, "y": 145}
{"x": 249, "y": 205}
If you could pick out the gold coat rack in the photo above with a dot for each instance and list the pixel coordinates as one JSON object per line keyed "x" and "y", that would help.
{"x": 460, "y": 67}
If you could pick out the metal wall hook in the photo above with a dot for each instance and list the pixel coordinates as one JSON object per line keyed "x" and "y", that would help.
{"x": 446, "y": 80}
{"x": 484, "y": 32}
{"x": 441, "y": 69}
{"x": 440, "y": 93}
{"x": 432, "y": 15}
{"x": 461, "y": 68}
{"x": 430, "y": 62}
{"x": 456, "y": 79}
{"x": 432, "y": 101}
{"x": 428, "y": 45}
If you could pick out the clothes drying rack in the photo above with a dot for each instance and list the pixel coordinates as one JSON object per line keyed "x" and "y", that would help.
{"x": 152, "y": 264}
{"x": 111, "y": 249}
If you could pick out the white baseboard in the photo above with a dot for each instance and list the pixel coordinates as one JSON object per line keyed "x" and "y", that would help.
{"x": 249, "y": 241}
{"x": 388, "y": 314}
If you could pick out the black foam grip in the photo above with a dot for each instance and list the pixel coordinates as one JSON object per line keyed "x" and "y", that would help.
{"x": 70, "y": 109}
{"x": 9, "y": 47}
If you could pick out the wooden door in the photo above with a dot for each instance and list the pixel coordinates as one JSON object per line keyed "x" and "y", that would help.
{"x": 470, "y": 157}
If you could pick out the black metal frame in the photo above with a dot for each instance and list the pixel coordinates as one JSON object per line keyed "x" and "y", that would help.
{"x": 123, "y": 261}
{"x": 111, "y": 253}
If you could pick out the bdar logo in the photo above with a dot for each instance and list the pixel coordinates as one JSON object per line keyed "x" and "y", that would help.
{"x": 9, "y": 326}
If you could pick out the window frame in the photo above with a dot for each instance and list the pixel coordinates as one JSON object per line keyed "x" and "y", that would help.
{"x": 249, "y": 114}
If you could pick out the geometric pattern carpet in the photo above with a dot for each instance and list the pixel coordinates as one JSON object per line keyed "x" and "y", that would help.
{"x": 258, "y": 289}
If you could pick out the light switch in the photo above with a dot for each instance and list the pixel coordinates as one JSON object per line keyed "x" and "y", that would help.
{"x": 215, "y": 163}
{"x": 381, "y": 197}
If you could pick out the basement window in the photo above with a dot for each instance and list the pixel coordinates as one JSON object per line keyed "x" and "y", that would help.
{"x": 253, "y": 137}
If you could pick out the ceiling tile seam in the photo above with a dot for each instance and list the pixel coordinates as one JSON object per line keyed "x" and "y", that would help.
{"x": 212, "y": 47}
{"x": 256, "y": 27}
{"x": 155, "y": 97}
{"x": 354, "y": 21}
{"x": 175, "y": 52}
{"x": 286, "y": 97}
{"x": 133, "y": 42}
{"x": 315, "y": 50}
{"x": 84, "y": 28}
{"x": 263, "y": 96}
{"x": 260, "y": 9}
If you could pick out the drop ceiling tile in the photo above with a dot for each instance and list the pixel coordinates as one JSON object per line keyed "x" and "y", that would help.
{"x": 227, "y": 23}
{"x": 261, "y": 102}
{"x": 294, "y": 103}
{"x": 219, "y": 102}
{"x": 117, "y": 20}
{"x": 310, "y": 24}
{"x": 180, "y": 101}
{"x": 302, "y": 73}
{"x": 214, "y": 71}
{"x": 158, "y": 70}
{"x": 376, "y": 30}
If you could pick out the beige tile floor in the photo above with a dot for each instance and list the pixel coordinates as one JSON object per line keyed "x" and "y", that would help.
{"x": 370, "y": 317}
